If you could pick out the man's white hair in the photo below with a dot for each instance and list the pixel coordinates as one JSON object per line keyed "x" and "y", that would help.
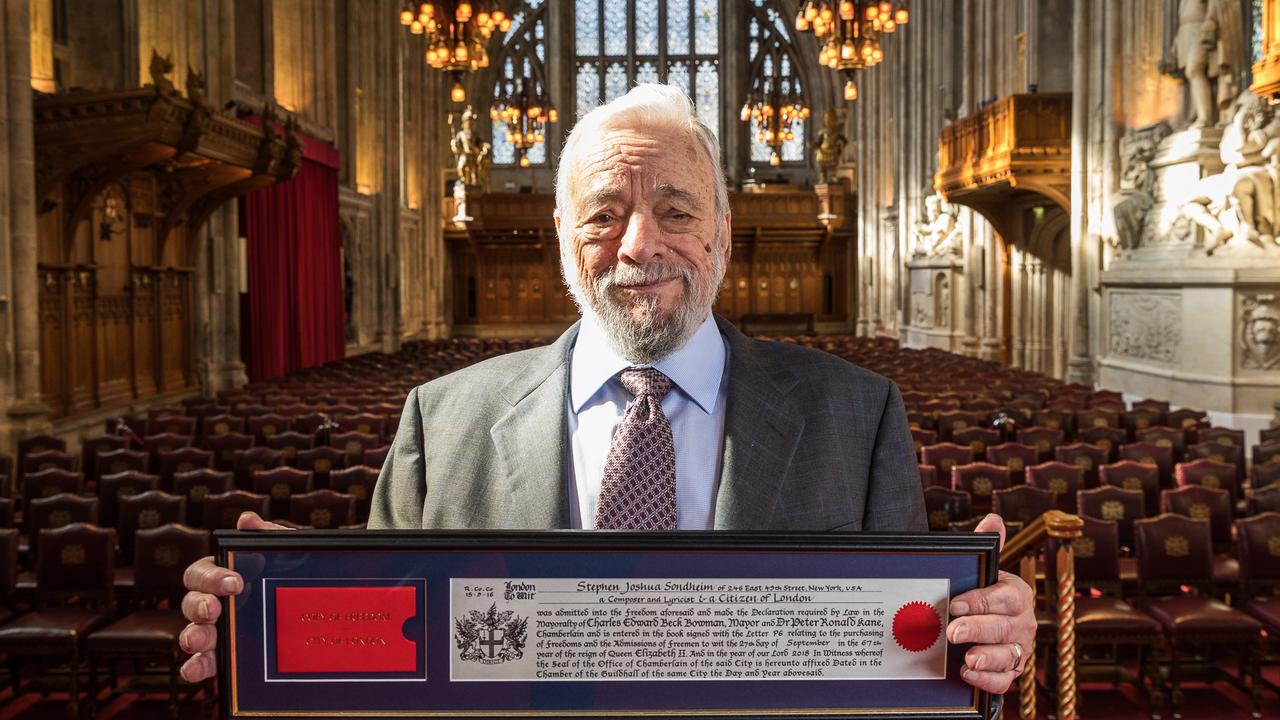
{"x": 649, "y": 106}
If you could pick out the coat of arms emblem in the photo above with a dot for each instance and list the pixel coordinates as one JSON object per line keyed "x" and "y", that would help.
{"x": 491, "y": 637}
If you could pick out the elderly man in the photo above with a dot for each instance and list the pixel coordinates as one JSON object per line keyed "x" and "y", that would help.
{"x": 650, "y": 413}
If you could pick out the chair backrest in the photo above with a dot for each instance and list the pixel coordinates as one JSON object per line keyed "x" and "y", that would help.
{"x": 1096, "y": 418}
{"x": 1097, "y": 553}
{"x": 945, "y": 456}
{"x": 1186, "y": 418}
{"x": 322, "y": 509}
{"x": 1053, "y": 419}
{"x": 1166, "y": 437}
{"x": 1265, "y": 499}
{"x": 364, "y": 423}
{"x": 953, "y": 421}
{"x": 281, "y": 483}
{"x": 1139, "y": 419}
{"x": 57, "y": 511}
{"x": 6, "y": 512}
{"x": 225, "y": 447}
{"x": 38, "y": 444}
{"x": 1148, "y": 453}
{"x": 358, "y": 482}
{"x": 977, "y": 438}
{"x": 91, "y": 446}
{"x": 354, "y": 444}
{"x": 249, "y": 461}
{"x": 1015, "y": 456}
{"x": 921, "y": 437}
{"x": 1258, "y": 549}
{"x": 1271, "y": 434}
{"x": 1115, "y": 504}
{"x": 1132, "y": 475}
{"x": 1084, "y": 456}
{"x": 1059, "y": 478}
{"x": 111, "y": 488}
{"x": 1210, "y": 474}
{"x": 51, "y": 482}
{"x": 322, "y": 461}
{"x": 1266, "y": 452}
{"x": 147, "y": 510}
{"x": 49, "y": 460}
{"x": 161, "y": 556}
{"x": 221, "y": 511}
{"x": 1042, "y": 438}
{"x": 267, "y": 425}
{"x": 9, "y": 537}
{"x": 309, "y": 423}
{"x": 377, "y": 457}
{"x": 1023, "y": 503}
{"x": 980, "y": 479}
{"x": 291, "y": 443}
{"x": 1107, "y": 438}
{"x": 77, "y": 560}
{"x": 118, "y": 461}
{"x": 1229, "y": 437}
{"x": 1202, "y": 503}
{"x": 181, "y": 460}
{"x": 1265, "y": 474}
{"x": 1173, "y": 550}
{"x": 177, "y": 425}
{"x": 944, "y": 506}
{"x": 928, "y": 476}
{"x": 216, "y": 425}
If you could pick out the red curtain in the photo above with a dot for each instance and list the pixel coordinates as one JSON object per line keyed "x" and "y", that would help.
{"x": 293, "y": 311}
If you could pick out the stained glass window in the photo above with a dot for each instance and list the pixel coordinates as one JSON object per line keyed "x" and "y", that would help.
{"x": 771, "y": 57}
{"x": 677, "y": 42}
{"x": 523, "y": 69}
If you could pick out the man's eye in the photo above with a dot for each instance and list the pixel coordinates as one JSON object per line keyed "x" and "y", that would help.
{"x": 677, "y": 215}
{"x": 602, "y": 219}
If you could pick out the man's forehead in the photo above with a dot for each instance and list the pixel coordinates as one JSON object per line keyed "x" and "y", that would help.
{"x": 623, "y": 161}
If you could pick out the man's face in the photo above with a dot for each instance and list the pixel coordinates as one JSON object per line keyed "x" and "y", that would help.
{"x": 642, "y": 239}
{"x": 1265, "y": 331}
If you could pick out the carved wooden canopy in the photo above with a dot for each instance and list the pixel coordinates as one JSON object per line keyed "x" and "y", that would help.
{"x": 1266, "y": 71}
{"x": 1018, "y": 145}
{"x": 87, "y": 140}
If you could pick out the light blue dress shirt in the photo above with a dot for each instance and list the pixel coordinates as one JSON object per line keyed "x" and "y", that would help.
{"x": 694, "y": 406}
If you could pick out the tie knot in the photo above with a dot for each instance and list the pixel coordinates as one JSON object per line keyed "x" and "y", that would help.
{"x": 645, "y": 381}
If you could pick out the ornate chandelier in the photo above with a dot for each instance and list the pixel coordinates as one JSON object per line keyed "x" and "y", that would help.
{"x": 850, "y": 32}
{"x": 456, "y": 35}
{"x": 776, "y": 106}
{"x": 526, "y": 119}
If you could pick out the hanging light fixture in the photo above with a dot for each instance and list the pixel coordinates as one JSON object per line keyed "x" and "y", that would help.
{"x": 456, "y": 35}
{"x": 526, "y": 115}
{"x": 775, "y": 106}
{"x": 850, "y": 33}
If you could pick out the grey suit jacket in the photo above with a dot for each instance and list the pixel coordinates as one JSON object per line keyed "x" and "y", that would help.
{"x": 812, "y": 442}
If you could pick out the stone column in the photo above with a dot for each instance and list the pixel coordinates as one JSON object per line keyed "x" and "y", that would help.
{"x": 993, "y": 261}
{"x": 1080, "y": 366}
{"x": 26, "y": 411}
{"x": 226, "y": 288}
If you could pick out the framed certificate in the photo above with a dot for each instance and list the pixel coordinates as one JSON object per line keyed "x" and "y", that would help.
{"x": 597, "y": 624}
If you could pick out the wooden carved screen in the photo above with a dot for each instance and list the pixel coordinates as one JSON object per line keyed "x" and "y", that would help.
{"x": 115, "y": 306}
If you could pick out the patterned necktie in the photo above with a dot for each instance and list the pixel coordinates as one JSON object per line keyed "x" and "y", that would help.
{"x": 639, "y": 488}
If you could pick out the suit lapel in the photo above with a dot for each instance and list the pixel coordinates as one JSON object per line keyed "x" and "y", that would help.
{"x": 531, "y": 439}
{"x": 761, "y": 430}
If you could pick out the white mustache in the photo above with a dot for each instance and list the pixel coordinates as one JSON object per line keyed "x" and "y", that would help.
{"x": 629, "y": 275}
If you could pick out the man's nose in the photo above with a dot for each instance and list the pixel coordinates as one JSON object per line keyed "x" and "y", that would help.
{"x": 641, "y": 241}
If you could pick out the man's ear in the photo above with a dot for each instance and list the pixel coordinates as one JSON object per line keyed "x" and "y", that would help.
{"x": 726, "y": 244}
{"x": 556, "y": 216}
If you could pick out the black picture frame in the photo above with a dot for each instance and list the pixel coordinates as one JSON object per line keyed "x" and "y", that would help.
{"x": 982, "y": 548}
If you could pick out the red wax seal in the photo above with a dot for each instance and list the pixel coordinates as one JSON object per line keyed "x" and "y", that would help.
{"x": 916, "y": 627}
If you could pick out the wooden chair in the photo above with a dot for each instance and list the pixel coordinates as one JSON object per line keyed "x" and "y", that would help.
{"x": 1131, "y": 475}
{"x": 38, "y": 444}
{"x": 1151, "y": 454}
{"x": 321, "y": 462}
{"x": 1107, "y": 438}
{"x": 1218, "y": 452}
{"x": 144, "y": 511}
{"x": 945, "y": 456}
{"x": 1140, "y": 419}
{"x": 1257, "y": 538}
{"x": 249, "y": 461}
{"x": 363, "y": 423}
{"x": 1042, "y": 438}
{"x": 291, "y": 443}
{"x": 265, "y": 426}
{"x": 1096, "y": 418}
{"x": 1174, "y": 439}
{"x": 977, "y": 438}
{"x": 75, "y": 566}
{"x": 358, "y": 482}
{"x": 225, "y": 446}
{"x": 1222, "y": 436}
{"x": 1015, "y": 456}
{"x": 1084, "y": 456}
{"x": 1265, "y": 475}
{"x": 944, "y": 506}
{"x": 196, "y": 485}
{"x": 281, "y": 483}
{"x": 1210, "y": 474}
{"x": 1023, "y": 504}
{"x": 112, "y": 462}
{"x": 928, "y": 476}
{"x": 112, "y": 488}
{"x": 51, "y": 482}
{"x": 921, "y": 437}
{"x": 353, "y": 444}
{"x": 980, "y": 480}
{"x": 152, "y": 627}
{"x": 178, "y": 425}
{"x": 156, "y": 445}
{"x": 952, "y": 421}
{"x": 1173, "y": 553}
{"x": 216, "y": 425}
{"x": 180, "y": 461}
{"x": 1266, "y": 452}
{"x": 1271, "y": 434}
{"x": 89, "y": 449}
{"x": 221, "y": 511}
{"x": 49, "y": 460}
{"x": 1061, "y": 479}
{"x": 322, "y": 509}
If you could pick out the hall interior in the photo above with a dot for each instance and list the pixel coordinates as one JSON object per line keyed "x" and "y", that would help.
{"x": 234, "y": 234}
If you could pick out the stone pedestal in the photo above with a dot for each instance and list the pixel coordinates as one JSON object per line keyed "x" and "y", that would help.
{"x": 1200, "y": 332}
{"x": 933, "y": 313}
{"x": 1181, "y": 161}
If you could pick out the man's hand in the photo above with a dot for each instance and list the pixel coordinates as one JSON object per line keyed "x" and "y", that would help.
{"x": 207, "y": 582}
{"x": 999, "y": 620}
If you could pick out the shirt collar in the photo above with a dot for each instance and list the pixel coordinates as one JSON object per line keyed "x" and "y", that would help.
{"x": 696, "y": 368}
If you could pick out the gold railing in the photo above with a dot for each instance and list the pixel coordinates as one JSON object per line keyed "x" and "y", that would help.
{"x": 1019, "y": 140}
{"x": 1266, "y": 72}
{"x": 1053, "y": 531}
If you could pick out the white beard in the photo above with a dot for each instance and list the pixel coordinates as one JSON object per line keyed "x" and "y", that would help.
{"x": 646, "y": 339}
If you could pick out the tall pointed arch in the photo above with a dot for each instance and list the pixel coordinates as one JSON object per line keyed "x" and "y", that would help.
{"x": 521, "y": 66}
{"x": 773, "y": 64}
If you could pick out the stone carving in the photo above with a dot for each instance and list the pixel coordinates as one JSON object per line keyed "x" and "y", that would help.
{"x": 921, "y": 310}
{"x": 1146, "y": 326}
{"x": 470, "y": 152}
{"x": 1126, "y": 215}
{"x": 1239, "y": 202}
{"x": 159, "y": 70}
{"x": 460, "y": 202}
{"x": 942, "y": 299}
{"x": 831, "y": 144}
{"x": 939, "y": 234}
{"x": 1208, "y": 52}
{"x": 1260, "y": 332}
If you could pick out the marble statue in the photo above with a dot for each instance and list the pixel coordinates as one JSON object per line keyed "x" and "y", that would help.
{"x": 939, "y": 234}
{"x": 1240, "y": 202}
{"x": 460, "y": 202}
{"x": 1209, "y": 50}
{"x": 831, "y": 144}
{"x": 1126, "y": 214}
{"x": 1260, "y": 333}
{"x": 471, "y": 153}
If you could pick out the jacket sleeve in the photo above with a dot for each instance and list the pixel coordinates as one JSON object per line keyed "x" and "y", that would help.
{"x": 895, "y": 500}
{"x": 402, "y": 486}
